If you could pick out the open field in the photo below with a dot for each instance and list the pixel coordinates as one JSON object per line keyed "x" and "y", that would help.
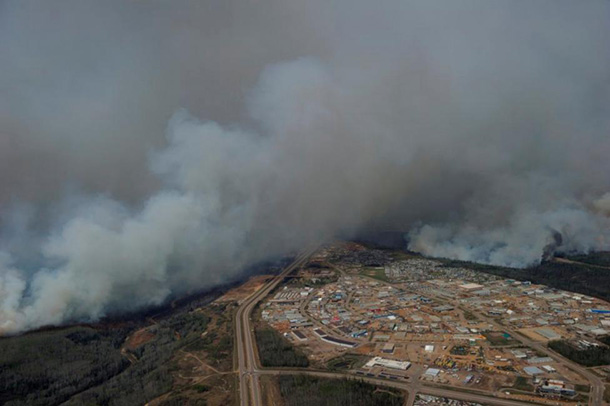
{"x": 375, "y": 273}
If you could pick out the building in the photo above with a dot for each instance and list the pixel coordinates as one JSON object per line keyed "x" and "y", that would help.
{"x": 388, "y": 363}
{"x": 519, "y": 354}
{"x": 319, "y": 333}
{"x": 338, "y": 341}
{"x": 556, "y": 388}
{"x": 599, "y": 332}
{"x": 388, "y": 348}
{"x": 533, "y": 371}
{"x": 358, "y": 333}
{"x": 548, "y": 333}
{"x": 540, "y": 360}
{"x": 432, "y": 372}
{"x": 443, "y": 308}
{"x": 471, "y": 286}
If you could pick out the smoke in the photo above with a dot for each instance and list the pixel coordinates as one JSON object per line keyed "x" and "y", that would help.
{"x": 148, "y": 149}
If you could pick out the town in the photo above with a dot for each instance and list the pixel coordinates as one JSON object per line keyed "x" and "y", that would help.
{"x": 403, "y": 317}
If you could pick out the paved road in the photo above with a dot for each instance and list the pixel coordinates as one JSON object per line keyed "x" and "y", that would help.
{"x": 597, "y": 385}
{"x": 412, "y": 388}
{"x": 250, "y": 370}
{"x": 246, "y": 352}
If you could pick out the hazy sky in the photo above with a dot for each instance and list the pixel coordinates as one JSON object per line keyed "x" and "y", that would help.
{"x": 152, "y": 147}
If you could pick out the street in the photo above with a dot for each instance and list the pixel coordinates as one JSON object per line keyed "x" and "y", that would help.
{"x": 250, "y": 370}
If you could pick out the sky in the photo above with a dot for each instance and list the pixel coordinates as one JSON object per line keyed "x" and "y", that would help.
{"x": 149, "y": 149}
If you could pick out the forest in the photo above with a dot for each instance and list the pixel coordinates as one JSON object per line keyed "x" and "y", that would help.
{"x": 302, "y": 390}
{"x": 275, "y": 351}
{"x": 49, "y": 367}
{"x": 600, "y": 258}
{"x": 590, "y": 357}
{"x": 585, "y": 277}
{"x": 150, "y": 375}
{"x": 84, "y": 365}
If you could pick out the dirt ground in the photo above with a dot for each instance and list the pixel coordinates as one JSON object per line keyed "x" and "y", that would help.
{"x": 271, "y": 391}
{"x": 200, "y": 372}
{"x": 531, "y": 333}
{"x": 214, "y": 391}
{"x": 241, "y": 292}
{"x": 139, "y": 338}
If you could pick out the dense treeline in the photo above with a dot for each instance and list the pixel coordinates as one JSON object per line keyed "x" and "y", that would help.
{"x": 84, "y": 366}
{"x": 150, "y": 376}
{"x": 574, "y": 277}
{"x": 48, "y": 367}
{"x": 590, "y": 357}
{"x": 601, "y": 258}
{"x": 302, "y": 390}
{"x": 275, "y": 351}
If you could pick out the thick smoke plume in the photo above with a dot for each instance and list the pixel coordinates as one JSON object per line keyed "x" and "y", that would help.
{"x": 148, "y": 149}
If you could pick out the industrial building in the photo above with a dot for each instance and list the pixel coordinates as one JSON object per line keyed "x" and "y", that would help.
{"x": 432, "y": 372}
{"x": 388, "y": 363}
{"x": 533, "y": 371}
{"x": 388, "y": 348}
{"x": 556, "y": 388}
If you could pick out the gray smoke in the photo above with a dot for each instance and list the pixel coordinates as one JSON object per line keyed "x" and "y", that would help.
{"x": 149, "y": 149}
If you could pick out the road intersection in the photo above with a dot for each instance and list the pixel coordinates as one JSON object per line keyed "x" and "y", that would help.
{"x": 250, "y": 370}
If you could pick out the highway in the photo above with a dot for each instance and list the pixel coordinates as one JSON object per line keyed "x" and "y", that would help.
{"x": 246, "y": 349}
{"x": 250, "y": 370}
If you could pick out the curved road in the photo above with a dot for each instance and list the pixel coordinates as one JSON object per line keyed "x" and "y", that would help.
{"x": 250, "y": 370}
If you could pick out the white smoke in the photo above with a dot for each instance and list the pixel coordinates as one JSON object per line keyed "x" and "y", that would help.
{"x": 520, "y": 243}
{"x": 482, "y": 130}
{"x": 602, "y": 205}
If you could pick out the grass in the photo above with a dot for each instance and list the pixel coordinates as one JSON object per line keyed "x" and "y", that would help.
{"x": 498, "y": 339}
{"x": 522, "y": 384}
{"x": 346, "y": 362}
{"x": 313, "y": 282}
{"x": 375, "y": 273}
{"x": 401, "y": 255}
{"x": 201, "y": 388}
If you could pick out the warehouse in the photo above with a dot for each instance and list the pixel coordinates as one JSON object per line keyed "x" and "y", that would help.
{"x": 388, "y": 348}
{"x": 388, "y": 363}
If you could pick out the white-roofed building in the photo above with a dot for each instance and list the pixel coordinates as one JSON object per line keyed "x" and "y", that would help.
{"x": 388, "y": 363}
